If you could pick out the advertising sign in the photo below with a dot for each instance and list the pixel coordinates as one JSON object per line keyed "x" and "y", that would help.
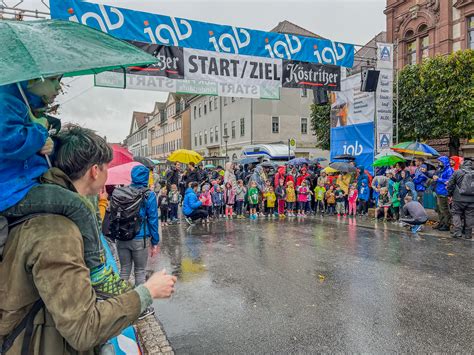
{"x": 173, "y": 31}
{"x": 384, "y": 96}
{"x": 308, "y": 75}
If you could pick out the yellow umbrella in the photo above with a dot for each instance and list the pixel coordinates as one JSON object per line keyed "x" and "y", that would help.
{"x": 185, "y": 156}
{"x": 329, "y": 170}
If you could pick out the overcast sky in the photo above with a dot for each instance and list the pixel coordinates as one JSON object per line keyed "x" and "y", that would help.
{"x": 109, "y": 110}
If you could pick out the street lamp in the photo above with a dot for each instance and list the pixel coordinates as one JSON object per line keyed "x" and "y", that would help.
{"x": 225, "y": 138}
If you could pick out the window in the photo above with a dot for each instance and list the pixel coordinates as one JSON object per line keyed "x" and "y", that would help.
{"x": 304, "y": 92}
{"x": 233, "y": 99}
{"x": 411, "y": 52}
{"x": 233, "y": 129}
{"x": 215, "y": 102}
{"x": 200, "y": 106}
{"x": 210, "y": 104}
{"x": 425, "y": 47}
{"x": 200, "y": 138}
{"x": 217, "y": 134}
{"x": 470, "y": 32}
{"x": 304, "y": 126}
{"x": 225, "y": 101}
{"x": 211, "y": 135}
{"x": 275, "y": 124}
{"x": 242, "y": 127}
{"x": 205, "y": 136}
{"x": 225, "y": 129}
{"x": 195, "y": 139}
{"x": 205, "y": 109}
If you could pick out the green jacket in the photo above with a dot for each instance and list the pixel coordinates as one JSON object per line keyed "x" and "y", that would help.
{"x": 43, "y": 257}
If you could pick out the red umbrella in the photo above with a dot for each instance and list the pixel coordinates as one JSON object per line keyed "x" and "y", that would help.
{"x": 121, "y": 156}
{"x": 121, "y": 174}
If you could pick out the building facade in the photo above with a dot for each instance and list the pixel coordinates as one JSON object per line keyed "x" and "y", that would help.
{"x": 425, "y": 28}
{"x": 137, "y": 140}
{"x": 221, "y": 125}
{"x": 169, "y": 126}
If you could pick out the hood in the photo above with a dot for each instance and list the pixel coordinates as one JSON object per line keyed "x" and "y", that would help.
{"x": 445, "y": 161}
{"x": 228, "y": 167}
{"x": 457, "y": 161}
{"x": 58, "y": 177}
{"x": 290, "y": 184}
{"x": 467, "y": 165}
{"x": 282, "y": 170}
{"x": 410, "y": 185}
{"x": 34, "y": 101}
{"x": 361, "y": 168}
{"x": 259, "y": 169}
{"x": 140, "y": 175}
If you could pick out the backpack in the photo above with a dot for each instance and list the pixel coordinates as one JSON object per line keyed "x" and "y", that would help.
{"x": 124, "y": 220}
{"x": 467, "y": 183}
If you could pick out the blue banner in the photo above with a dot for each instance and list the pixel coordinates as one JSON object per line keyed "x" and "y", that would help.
{"x": 174, "y": 31}
{"x": 357, "y": 140}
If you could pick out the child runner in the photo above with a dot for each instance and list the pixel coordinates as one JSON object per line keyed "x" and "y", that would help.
{"x": 353, "y": 200}
{"x": 303, "y": 193}
{"x": 270, "y": 199}
{"x": 163, "y": 204}
{"x": 229, "y": 200}
{"x": 331, "y": 200}
{"x": 319, "y": 194}
{"x": 206, "y": 200}
{"x": 240, "y": 193}
{"x": 253, "y": 199}
{"x": 174, "y": 199}
{"x": 218, "y": 201}
{"x": 280, "y": 192}
{"x": 340, "y": 201}
{"x": 364, "y": 195}
{"x": 290, "y": 198}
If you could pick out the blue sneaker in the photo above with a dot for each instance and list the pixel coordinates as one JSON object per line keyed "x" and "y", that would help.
{"x": 416, "y": 229}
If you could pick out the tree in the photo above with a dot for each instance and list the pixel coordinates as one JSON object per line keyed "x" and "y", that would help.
{"x": 436, "y": 99}
{"x": 321, "y": 124}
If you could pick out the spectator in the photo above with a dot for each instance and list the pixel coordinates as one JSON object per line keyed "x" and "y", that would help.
{"x": 174, "y": 200}
{"x": 364, "y": 196}
{"x": 218, "y": 201}
{"x": 163, "y": 204}
{"x": 240, "y": 194}
{"x": 191, "y": 174}
{"x": 420, "y": 180}
{"x": 331, "y": 200}
{"x": 441, "y": 178}
{"x": 280, "y": 192}
{"x": 229, "y": 175}
{"x": 206, "y": 199}
{"x": 461, "y": 189}
{"x": 415, "y": 214}
{"x": 270, "y": 199}
{"x": 192, "y": 206}
{"x": 319, "y": 196}
{"x": 172, "y": 175}
{"x": 352, "y": 198}
{"x": 455, "y": 162}
{"x": 384, "y": 204}
{"x": 340, "y": 201}
{"x": 229, "y": 199}
{"x": 290, "y": 199}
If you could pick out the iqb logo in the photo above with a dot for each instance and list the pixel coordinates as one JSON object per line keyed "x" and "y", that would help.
{"x": 240, "y": 39}
{"x": 105, "y": 23}
{"x": 175, "y": 33}
{"x": 330, "y": 55}
{"x": 353, "y": 149}
{"x": 385, "y": 53}
{"x": 291, "y": 45}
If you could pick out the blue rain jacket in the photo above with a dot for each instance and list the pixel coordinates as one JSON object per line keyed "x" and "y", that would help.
{"x": 363, "y": 177}
{"x": 20, "y": 141}
{"x": 420, "y": 180}
{"x": 140, "y": 175}
{"x": 191, "y": 202}
{"x": 444, "y": 174}
{"x": 364, "y": 192}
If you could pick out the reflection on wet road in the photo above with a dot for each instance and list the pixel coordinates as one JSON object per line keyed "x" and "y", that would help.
{"x": 308, "y": 286}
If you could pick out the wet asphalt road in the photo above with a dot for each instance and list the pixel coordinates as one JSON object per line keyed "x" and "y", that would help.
{"x": 313, "y": 286}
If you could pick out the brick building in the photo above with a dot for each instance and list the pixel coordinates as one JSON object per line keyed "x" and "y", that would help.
{"x": 425, "y": 28}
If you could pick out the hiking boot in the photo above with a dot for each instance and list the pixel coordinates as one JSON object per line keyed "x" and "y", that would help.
{"x": 146, "y": 313}
{"x": 189, "y": 220}
{"x": 110, "y": 285}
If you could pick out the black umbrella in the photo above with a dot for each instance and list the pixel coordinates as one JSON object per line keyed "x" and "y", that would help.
{"x": 269, "y": 164}
{"x": 343, "y": 167}
{"x": 145, "y": 161}
{"x": 248, "y": 160}
{"x": 345, "y": 157}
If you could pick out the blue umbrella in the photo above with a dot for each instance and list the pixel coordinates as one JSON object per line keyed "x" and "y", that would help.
{"x": 248, "y": 160}
{"x": 317, "y": 160}
{"x": 298, "y": 161}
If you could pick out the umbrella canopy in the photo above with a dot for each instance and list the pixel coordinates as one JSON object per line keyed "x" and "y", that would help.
{"x": 317, "y": 160}
{"x": 185, "y": 156}
{"x": 298, "y": 161}
{"x": 40, "y": 49}
{"x": 388, "y": 152}
{"x": 209, "y": 166}
{"x": 388, "y": 160}
{"x": 121, "y": 174}
{"x": 343, "y": 167}
{"x": 145, "y": 161}
{"x": 345, "y": 157}
{"x": 121, "y": 156}
{"x": 269, "y": 164}
{"x": 155, "y": 161}
{"x": 329, "y": 170}
{"x": 415, "y": 148}
{"x": 248, "y": 160}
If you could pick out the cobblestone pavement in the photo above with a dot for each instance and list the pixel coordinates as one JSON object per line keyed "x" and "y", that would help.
{"x": 315, "y": 285}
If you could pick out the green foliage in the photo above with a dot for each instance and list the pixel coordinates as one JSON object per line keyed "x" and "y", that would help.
{"x": 321, "y": 124}
{"x": 436, "y": 98}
